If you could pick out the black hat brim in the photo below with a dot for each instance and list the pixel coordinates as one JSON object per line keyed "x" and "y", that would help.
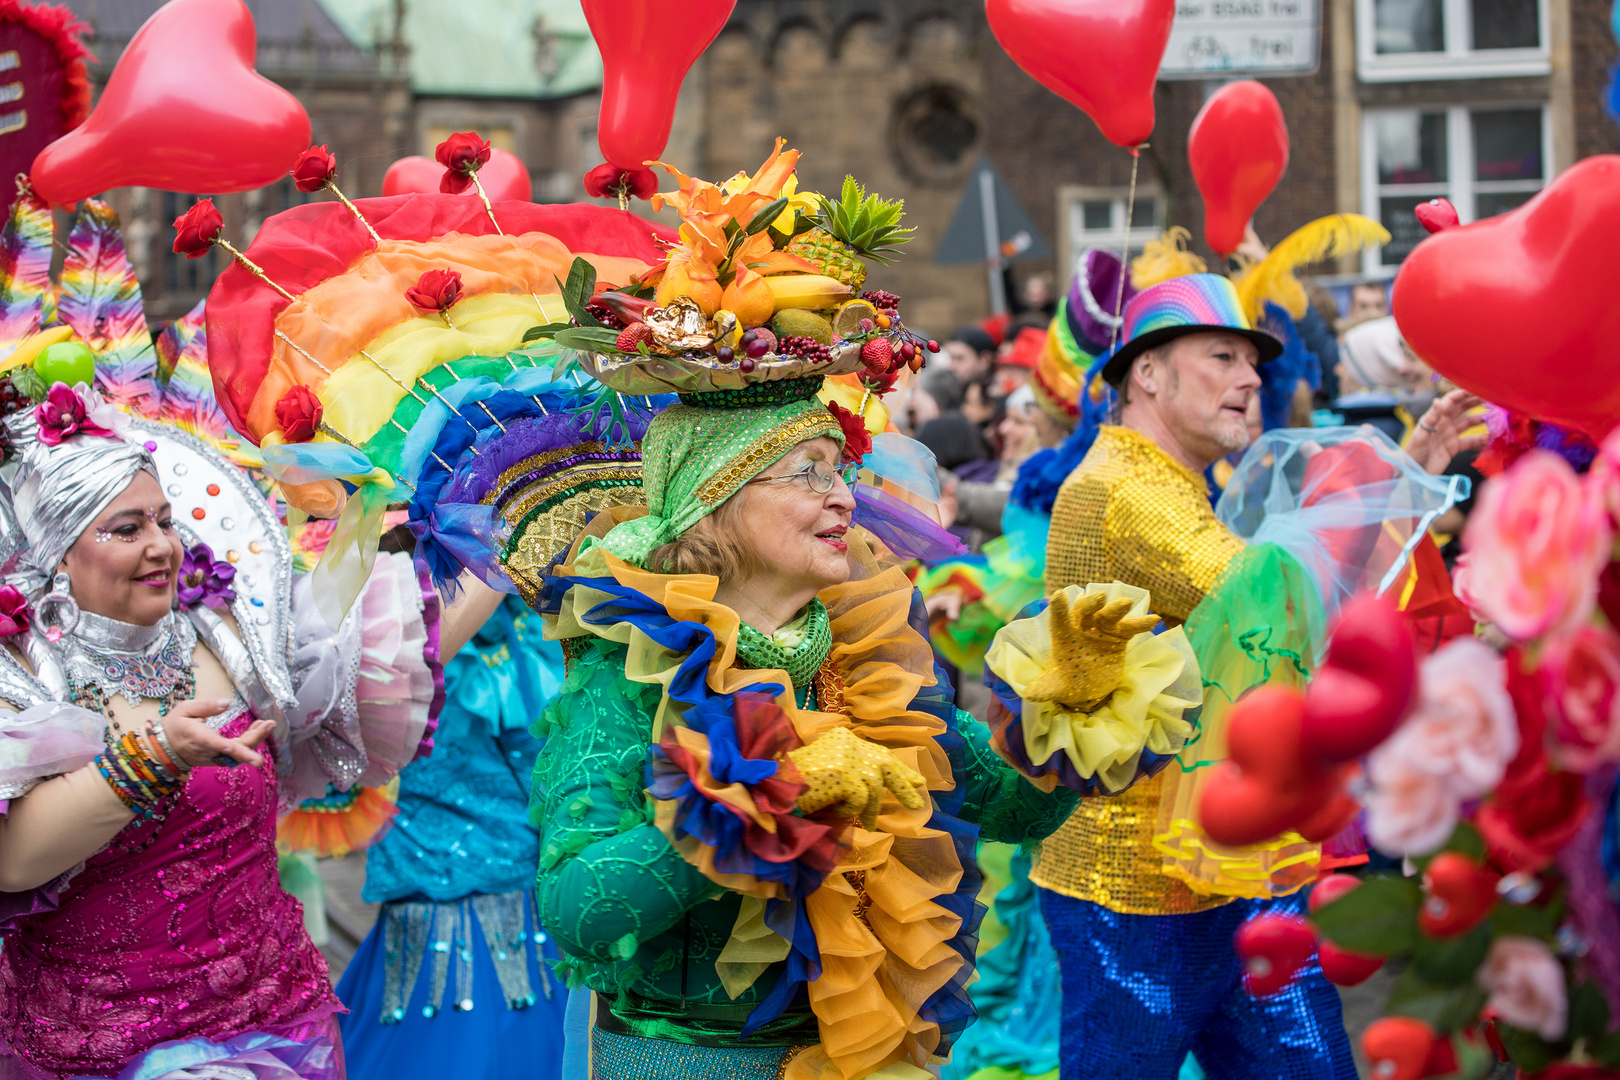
{"x": 1119, "y": 364}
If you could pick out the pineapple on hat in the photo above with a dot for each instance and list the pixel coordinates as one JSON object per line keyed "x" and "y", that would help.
{"x": 854, "y": 227}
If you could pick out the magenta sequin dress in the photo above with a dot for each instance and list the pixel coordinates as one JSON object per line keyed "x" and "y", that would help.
{"x": 178, "y": 928}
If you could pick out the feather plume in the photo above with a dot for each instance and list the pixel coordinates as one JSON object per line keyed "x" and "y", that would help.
{"x": 1165, "y": 258}
{"x": 100, "y": 298}
{"x": 1325, "y": 238}
{"x": 26, "y": 301}
{"x": 188, "y": 400}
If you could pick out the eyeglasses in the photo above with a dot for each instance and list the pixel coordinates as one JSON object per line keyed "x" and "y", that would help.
{"x": 818, "y": 474}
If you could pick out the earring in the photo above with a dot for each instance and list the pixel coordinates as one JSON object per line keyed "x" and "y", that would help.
{"x": 57, "y": 611}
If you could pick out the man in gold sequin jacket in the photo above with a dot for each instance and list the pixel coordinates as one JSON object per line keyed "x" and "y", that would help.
{"x": 1149, "y": 971}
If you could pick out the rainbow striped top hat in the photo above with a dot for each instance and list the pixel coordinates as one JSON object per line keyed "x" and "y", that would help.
{"x": 1184, "y": 305}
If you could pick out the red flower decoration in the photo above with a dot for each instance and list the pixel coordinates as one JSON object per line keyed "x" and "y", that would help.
{"x": 64, "y": 414}
{"x": 857, "y": 440}
{"x": 314, "y": 169}
{"x": 435, "y": 290}
{"x": 14, "y": 613}
{"x": 462, "y": 154}
{"x": 1534, "y": 811}
{"x": 605, "y": 181}
{"x": 299, "y": 414}
{"x": 196, "y": 230}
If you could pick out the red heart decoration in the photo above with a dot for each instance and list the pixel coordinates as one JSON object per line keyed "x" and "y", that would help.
{"x": 1268, "y": 784}
{"x": 1366, "y": 684}
{"x": 1238, "y": 150}
{"x": 1273, "y": 949}
{"x": 1458, "y": 895}
{"x": 1102, "y": 56}
{"x": 1398, "y": 1047}
{"x": 183, "y": 111}
{"x": 504, "y": 177}
{"x": 1520, "y": 308}
{"x": 1435, "y": 215}
{"x": 1341, "y": 967}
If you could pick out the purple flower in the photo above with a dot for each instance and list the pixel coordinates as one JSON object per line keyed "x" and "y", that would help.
{"x": 14, "y": 613}
{"x": 64, "y": 413}
{"x": 204, "y": 581}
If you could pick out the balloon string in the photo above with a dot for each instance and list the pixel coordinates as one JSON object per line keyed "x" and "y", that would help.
{"x": 1125, "y": 249}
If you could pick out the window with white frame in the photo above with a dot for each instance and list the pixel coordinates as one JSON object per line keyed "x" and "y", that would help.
{"x": 1095, "y": 217}
{"x": 1487, "y": 159}
{"x": 1400, "y": 40}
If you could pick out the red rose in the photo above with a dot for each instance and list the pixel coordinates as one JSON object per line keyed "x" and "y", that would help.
{"x": 435, "y": 290}
{"x": 314, "y": 169}
{"x": 462, "y": 154}
{"x": 14, "y": 613}
{"x": 299, "y": 414}
{"x": 604, "y": 182}
{"x": 196, "y": 230}
{"x": 857, "y": 440}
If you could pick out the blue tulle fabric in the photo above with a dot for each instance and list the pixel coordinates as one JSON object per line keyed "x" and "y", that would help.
{"x": 255, "y": 1055}
{"x": 463, "y": 823}
{"x": 1279, "y": 378}
{"x": 1347, "y": 503}
{"x": 1141, "y": 992}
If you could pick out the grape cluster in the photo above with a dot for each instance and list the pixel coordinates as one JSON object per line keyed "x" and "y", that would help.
{"x": 883, "y": 301}
{"x": 806, "y": 348}
{"x": 606, "y": 316}
{"x": 11, "y": 399}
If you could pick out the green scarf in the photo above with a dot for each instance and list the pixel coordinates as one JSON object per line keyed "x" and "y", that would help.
{"x": 696, "y": 457}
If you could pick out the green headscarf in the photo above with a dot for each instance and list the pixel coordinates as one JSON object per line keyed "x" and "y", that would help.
{"x": 696, "y": 456}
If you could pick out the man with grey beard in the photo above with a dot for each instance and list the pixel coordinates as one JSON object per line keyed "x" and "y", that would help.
{"x": 1149, "y": 971}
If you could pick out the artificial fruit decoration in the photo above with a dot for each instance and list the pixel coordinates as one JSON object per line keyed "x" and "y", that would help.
{"x": 183, "y": 110}
{"x": 1458, "y": 895}
{"x": 1267, "y": 785}
{"x": 1341, "y": 966}
{"x": 1273, "y": 949}
{"x": 1238, "y": 150}
{"x": 1398, "y": 1048}
{"x": 1365, "y": 686}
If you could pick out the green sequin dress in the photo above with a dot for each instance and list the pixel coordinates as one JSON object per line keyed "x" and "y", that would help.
{"x": 634, "y": 921}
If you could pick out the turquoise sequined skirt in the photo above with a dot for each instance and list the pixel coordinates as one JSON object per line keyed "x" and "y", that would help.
{"x": 627, "y": 1057}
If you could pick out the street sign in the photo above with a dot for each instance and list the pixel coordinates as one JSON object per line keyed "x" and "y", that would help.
{"x": 1214, "y": 38}
{"x": 990, "y": 226}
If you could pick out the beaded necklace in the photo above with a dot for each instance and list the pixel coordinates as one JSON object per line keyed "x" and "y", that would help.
{"x": 103, "y": 657}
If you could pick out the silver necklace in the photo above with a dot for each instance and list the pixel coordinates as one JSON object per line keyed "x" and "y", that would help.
{"x": 139, "y": 662}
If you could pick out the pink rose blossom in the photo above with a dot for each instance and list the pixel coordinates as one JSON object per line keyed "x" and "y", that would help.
{"x": 1536, "y": 542}
{"x": 1581, "y": 673}
{"x": 1526, "y": 985}
{"x": 1464, "y": 730}
{"x": 1410, "y": 811}
{"x": 1603, "y": 479}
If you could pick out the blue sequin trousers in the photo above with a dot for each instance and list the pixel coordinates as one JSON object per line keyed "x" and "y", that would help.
{"x": 1141, "y": 992}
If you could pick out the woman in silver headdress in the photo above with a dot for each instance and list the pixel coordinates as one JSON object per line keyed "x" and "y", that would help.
{"x": 159, "y": 703}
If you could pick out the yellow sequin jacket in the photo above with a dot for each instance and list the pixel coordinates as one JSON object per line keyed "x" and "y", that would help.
{"x": 1130, "y": 513}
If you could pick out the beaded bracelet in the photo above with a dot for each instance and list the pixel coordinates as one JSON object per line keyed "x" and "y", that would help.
{"x": 134, "y": 777}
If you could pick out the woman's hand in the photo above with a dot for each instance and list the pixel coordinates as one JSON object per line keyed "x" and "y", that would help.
{"x": 841, "y": 767}
{"x": 1438, "y": 437}
{"x": 188, "y": 733}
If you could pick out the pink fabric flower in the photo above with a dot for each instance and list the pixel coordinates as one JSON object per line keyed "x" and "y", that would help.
{"x": 1526, "y": 986}
{"x": 65, "y": 413}
{"x": 1581, "y": 673}
{"x": 1410, "y": 811}
{"x": 1464, "y": 730}
{"x": 1603, "y": 479}
{"x": 1536, "y": 542}
{"x": 14, "y": 612}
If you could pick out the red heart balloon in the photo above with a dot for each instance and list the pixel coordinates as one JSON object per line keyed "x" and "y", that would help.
{"x": 1366, "y": 684}
{"x": 1273, "y": 949}
{"x": 183, "y": 111}
{"x": 1520, "y": 308}
{"x": 647, "y": 48}
{"x": 1238, "y": 150}
{"x": 504, "y": 177}
{"x": 1458, "y": 895}
{"x": 1435, "y": 215}
{"x": 1268, "y": 784}
{"x": 1102, "y": 56}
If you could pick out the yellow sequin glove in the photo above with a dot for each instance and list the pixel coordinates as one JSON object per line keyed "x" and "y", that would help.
{"x": 841, "y": 767}
{"x": 1088, "y": 650}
